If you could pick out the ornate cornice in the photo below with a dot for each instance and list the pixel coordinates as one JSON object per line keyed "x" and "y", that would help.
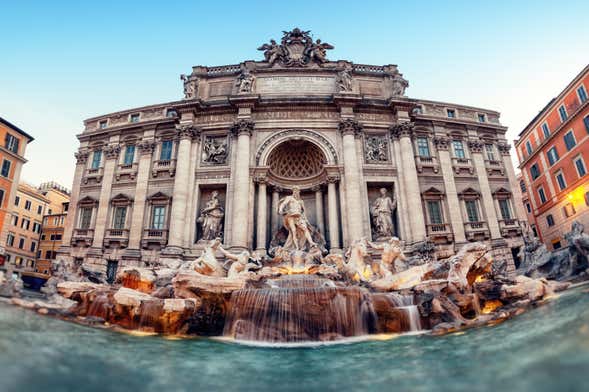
{"x": 146, "y": 146}
{"x": 404, "y": 129}
{"x": 475, "y": 146}
{"x": 441, "y": 142}
{"x": 112, "y": 151}
{"x": 81, "y": 156}
{"x": 187, "y": 131}
{"x": 349, "y": 126}
{"x": 242, "y": 126}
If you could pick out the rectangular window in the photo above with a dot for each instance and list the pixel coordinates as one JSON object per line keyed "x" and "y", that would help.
{"x": 16, "y": 201}
{"x": 129, "y": 155}
{"x": 423, "y": 147}
{"x": 21, "y": 243}
{"x": 529, "y": 147}
{"x": 586, "y": 122}
{"x": 552, "y": 155}
{"x": 560, "y": 180}
{"x": 563, "y": 113}
{"x": 568, "y": 210}
{"x": 33, "y": 246}
{"x": 102, "y": 124}
{"x": 458, "y": 149}
{"x": 1, "y": 197}
{"x": 11, "y": 143}
{"x": 85, "y": 217}
{"x": 14, "y": 220}
{"x": 119, "y": 218}
{"x": 490, "y": 152}
{"x": 471, "y": 210}
{"x": 435, "y": 212}
{"x": 10, "y": 239}
{"x": 481, "y": 118}
{"x": 166, "y": 152}
{"x": 546, "y": 130}
{"x": 505, "y": 210}
{"x": 39, "y": 210}
{"x": 582, "y": 93}
{"x": 134, "y": 118}
{"x": 529, "y": 208}
{"x": 550, "y": 220}
{"x": 57, "y": 237}
{"x": 522, "y": 186}
{"x": 580, "y": 165}
{"x": 569, "y": 140}
{"x": 28, "y": 205}
{"x": 158, "y": 217}
{"x": 542, "y": 195}
{"x": 96, "y": 157}
{"x": 534, "y": 171}
{"x": 451, "y": 113}
{"x": 6, "y": 168}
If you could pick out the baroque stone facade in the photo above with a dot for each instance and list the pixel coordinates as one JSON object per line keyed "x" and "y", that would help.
{"x": 245, "y": 135}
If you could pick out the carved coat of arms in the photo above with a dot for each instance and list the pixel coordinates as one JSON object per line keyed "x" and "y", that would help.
{"x": 296, "y": 49}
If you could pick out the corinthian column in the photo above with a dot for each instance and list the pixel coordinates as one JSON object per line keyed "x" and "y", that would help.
{"x": 180, "y": 194}
{"x": 319, "y": 210}
{"x": 262, "y": 221}
{"x": 332, "y": 213}
{"x": 111, "y": 154}
{"x": 350, "y": 129}
{"x": 403, "y": 132}
{"x": 145, "y": 148}
{"x": 70, "y": 222}
{"x": 518, "y": 204}
{"x": 476, "y": 152}
{"x": 242, "y": 129}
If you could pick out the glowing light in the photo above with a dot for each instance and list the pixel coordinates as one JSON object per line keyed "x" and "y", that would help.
{"x": 490, "y": 306}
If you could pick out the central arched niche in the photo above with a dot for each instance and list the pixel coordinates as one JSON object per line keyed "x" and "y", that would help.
{"x": 296, "y": 159}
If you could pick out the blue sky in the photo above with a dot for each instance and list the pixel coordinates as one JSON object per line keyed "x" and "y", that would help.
{"x": 62, "y": 62}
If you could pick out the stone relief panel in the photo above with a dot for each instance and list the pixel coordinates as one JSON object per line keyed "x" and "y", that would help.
{"x": 376, "y": 149}
{"x": 215, "y": 150}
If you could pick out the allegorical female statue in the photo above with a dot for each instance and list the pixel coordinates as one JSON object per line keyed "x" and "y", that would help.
{"x": 211, "y": 218}
{"x": 292, "y": 210}
{"x": 382, "y": 215}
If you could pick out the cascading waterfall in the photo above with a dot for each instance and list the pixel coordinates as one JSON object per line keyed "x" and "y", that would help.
{"x": 405, "y": 303}
{"x": 299, "y": 308}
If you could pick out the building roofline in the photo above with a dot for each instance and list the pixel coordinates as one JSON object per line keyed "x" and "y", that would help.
{"x": 550, "y": 104}
{"x": 17, "y": 129}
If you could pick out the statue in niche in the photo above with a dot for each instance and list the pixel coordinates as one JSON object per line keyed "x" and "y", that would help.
{"x": 399, "y": 85}
{"x": 211, "y": 218}
{"x": 344, "y": 80}
{"x": 190, "y": 86}
{"x": 215, "y": 150}
{"x": 382, "y": 215}
{"x": 295, "y": 221}
{"x": 376, "y": 149}
{"x": 245, "y": 82}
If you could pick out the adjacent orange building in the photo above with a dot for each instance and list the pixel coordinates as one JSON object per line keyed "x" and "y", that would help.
{"x": 553, "y": 151}
{"x": 13, "y": 143}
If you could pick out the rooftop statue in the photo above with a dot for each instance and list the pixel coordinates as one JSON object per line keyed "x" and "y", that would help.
{"x": 296, "y": 49}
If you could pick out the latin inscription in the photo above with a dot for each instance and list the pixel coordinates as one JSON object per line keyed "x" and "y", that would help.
{"x": 295, "y": 84}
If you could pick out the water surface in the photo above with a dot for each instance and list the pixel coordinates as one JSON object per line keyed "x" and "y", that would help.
{"x": 545, "y": 349}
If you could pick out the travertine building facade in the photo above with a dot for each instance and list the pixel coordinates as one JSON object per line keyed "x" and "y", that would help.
{"x": 151, "y": 182}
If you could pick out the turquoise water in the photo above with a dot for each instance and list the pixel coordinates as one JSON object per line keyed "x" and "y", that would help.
{"x": 545, "y": 349}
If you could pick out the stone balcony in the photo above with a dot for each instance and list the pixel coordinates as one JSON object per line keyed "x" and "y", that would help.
{"x": 154, "y": 237}
{"x": 126, "y": 172}
{"x": 510, "y": 227}
{"x": 165, "y": 166}
{"x": 422, "y": 162}
{"x": 83, "y": 236}
{"x": 477, "y": 231}
{"x": 462, "y": 165}
{"x": 118, "y": 237}
{"x": 92, "y": 175}
{"x": 440, "y": 232}
{"x": 494, "y": 167}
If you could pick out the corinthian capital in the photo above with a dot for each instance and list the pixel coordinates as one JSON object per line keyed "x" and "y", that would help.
{"x": 404, "y": 129}
{"x": 187, "y": 131}
{"x": 441, "y": 142}
{"x": 475, "y": 146}
{"x": 504, "y": 148}
{"x": 349, "y": 126}
{"x": 146, "y": 146}
{"x": 112, "y": 151}
{"x": 81, "y": 156}
{"x": 242, "y": 126}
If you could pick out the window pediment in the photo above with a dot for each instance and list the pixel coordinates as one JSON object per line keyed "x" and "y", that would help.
{"x": 87, "y": 201}
{"x": 469, "y": 194}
